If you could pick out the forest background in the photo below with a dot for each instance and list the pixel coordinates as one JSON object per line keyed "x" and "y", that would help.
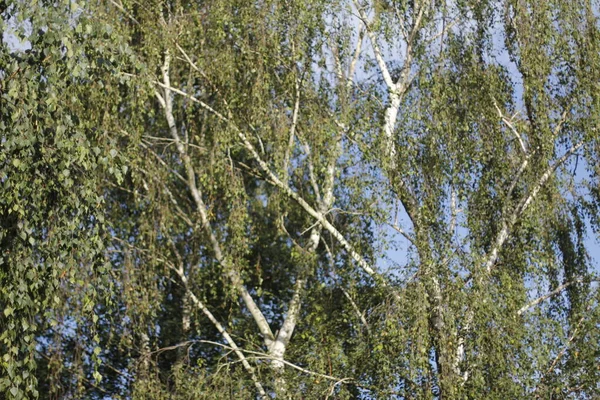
{"x": 300, "y": 199}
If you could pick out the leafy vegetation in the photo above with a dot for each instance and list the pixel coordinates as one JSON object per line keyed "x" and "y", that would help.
{"x": 299, "y": 199}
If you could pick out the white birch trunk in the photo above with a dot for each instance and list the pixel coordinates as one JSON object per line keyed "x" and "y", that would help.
{"x": 391, "y": 114}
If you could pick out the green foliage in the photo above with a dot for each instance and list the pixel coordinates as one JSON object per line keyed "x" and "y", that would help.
{"x": 163, "y": 162}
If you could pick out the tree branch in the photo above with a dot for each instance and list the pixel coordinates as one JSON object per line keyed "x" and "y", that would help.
{"x": 556, "y": 291}
{"x": 357, "y": 49}
{"x": 511, "y": 127}
{"x": 238, "y": 352}
{"x": 385, "y": 72}
{"x": 365, "y": 266}
{"x": 508, "y": 223}
{"x": 230, "y": 270}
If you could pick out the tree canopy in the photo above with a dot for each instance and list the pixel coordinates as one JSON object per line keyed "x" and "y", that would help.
{"x": 299, "y": 199}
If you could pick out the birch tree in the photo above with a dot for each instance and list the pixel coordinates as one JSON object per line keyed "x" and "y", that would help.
{"x": 320, "y": 199}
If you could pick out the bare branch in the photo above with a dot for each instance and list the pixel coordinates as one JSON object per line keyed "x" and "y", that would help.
{"x": 376, "y": 50}
{"x": 556, "y": 291}
{"x": 401, "y": 231}
{"x": 511, "y": 127}
{"x": 360, "y": 314}
{"x": 188, "y": 59}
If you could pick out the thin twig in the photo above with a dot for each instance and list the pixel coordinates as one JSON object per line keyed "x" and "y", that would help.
{"x": 550, "y": 294}
{"x": 401, "y": 231}
{"x": 511, "y": 127}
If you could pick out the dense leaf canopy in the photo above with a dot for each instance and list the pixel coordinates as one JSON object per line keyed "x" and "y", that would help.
{"x": 299, "y": 199}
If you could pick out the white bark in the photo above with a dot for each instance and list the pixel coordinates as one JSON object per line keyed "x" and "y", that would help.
{"x": 364, "y": 265}
{"x": 238, "y": 352}
{"x": 279, "y": 346}
{"x": 396, "y": 89}
{"x": 230, "y": 270}
{"x": 387, "y": 77}
{"x": 276, "y": 345}
{"x": 166, "y": 102}
{"x": 554, "y": 292}
{"x": 391, "y": 114}
{"x": 509, "y": 221}
{"x": 395, "y": 95}
{"x": 359, "y": 314}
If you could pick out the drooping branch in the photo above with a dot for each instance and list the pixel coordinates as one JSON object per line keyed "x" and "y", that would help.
{"x": 554, "y": 292}
{"x": 508, "y": 223}
{"x": 231, "y": 272}
{"x": 503, "y": 234}
{"x": 179, "y": 270}
{"x": 566, "y": 347}
{"x": 236, "y": 349}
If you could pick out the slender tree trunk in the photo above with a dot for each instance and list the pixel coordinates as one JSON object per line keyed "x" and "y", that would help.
{"x": 185, "y": 326}
{"x": 391, "y": 113}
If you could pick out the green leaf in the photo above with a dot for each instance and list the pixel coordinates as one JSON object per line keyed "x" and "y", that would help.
{"x": 97, "y": 376}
